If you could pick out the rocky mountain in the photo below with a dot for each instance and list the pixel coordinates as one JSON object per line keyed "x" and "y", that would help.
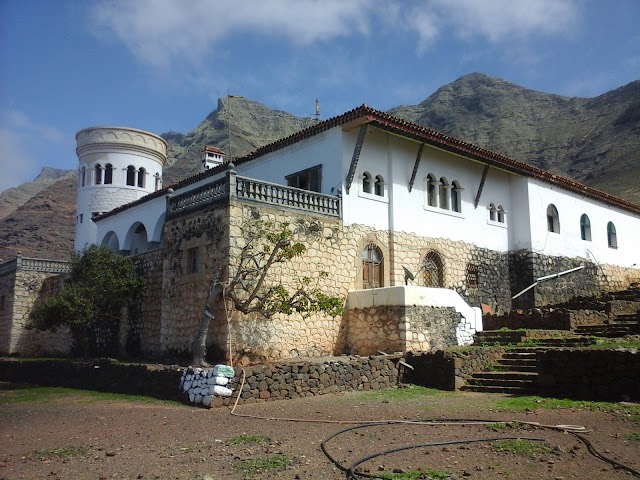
{"x": 12, "y": 198}
{"x": 593, "y": 140}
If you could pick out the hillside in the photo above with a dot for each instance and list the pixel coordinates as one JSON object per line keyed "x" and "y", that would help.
{"x": 593, "y": 140}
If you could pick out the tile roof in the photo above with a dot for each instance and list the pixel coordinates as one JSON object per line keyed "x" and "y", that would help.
{"x": 367, "y": 115}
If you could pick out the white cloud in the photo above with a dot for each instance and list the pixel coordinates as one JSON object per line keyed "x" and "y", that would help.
{"x": 158, "y": 32}
{"x": 16, "y": 164}
{"x": 19, "y": 139}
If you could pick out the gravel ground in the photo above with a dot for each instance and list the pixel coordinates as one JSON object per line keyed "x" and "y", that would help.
{"x": 70, "y": 435}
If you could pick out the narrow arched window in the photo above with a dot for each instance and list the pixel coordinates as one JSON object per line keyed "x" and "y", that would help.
{"x": 493, "y": 211}
{"x": 553, "y": 220}
{"x": 433, "y": 270}
{"x": 108, "y": 174}
{"x": 443, "y": 191}
{"x": 142, "y": 173}
{"x": 431, "y": 190}
{"x": 501, "y": 214}
{"x": 83, "y": 176}
{"x": 158, "y": 182}
{"x": 131, "y": 175}
{"x": 366, "y": 182}
{"x": 612, "y": 238}
{"x": 98, "y": 170}
{"x": 585, "y": 228}
{"x": 379, "y": 186}
{"x": 456, "y": 204}
{"x": 372, "y": 267}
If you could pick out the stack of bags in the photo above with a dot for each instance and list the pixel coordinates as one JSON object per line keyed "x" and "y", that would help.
{"x": 200, "y": 385}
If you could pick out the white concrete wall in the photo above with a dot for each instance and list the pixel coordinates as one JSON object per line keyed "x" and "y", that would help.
{"x": 568, "y": 243}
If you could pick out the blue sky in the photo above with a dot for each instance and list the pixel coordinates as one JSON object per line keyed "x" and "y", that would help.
{"x": 161, "y": 65}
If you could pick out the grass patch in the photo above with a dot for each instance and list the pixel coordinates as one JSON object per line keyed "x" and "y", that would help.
{"x": 403, "y": 393}
{"x": 252, "y": 467}
{"x": 612, "y": 343}
{"x": 526, "y": 448}
{"x": 416, "y": 475}
{"x": 505, "y": 426}
{"x": 65, "y": 452}
{"x": 248, "y": 440}
{"x": 529, "y": 404}
{"x": 19, "y": 393}
{"x": 633, "y": 436}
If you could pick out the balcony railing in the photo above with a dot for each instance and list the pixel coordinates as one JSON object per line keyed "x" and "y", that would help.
{"x": 41, "y": 265}
{"x": 234, "y": 186}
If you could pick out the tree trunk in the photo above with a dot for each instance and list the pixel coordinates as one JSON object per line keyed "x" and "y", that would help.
{"x": 199, "y": 346}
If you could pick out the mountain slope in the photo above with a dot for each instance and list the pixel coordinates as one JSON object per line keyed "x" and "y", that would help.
{"x": 593, "y": 140}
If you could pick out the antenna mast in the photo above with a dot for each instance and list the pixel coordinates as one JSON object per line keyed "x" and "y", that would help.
{"x": 317, "y": 114}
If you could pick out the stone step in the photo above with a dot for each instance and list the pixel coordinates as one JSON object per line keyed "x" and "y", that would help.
{"x": 500, "y": 389}
{"x": 517, "y": 365}
{"x": 497, "y": 382}
{"x": 516, "y": 354}
{"x": 564, "y": 342}
{"x": 506, "y": 376}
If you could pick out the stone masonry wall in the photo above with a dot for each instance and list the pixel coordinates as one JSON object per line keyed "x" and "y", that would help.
{"x": 142, "y": 330}
{"x": 28, "y": 288}
{"x": 590, "y": 374}
{"x": 398, "y": 328}
{"x": 7, "y": 294}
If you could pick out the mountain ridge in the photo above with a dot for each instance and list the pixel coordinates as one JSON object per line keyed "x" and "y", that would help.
{"x": 593, "y": 140}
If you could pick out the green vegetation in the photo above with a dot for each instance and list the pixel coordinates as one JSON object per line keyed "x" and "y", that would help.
{"x": 248, "y": 440}
{"x": 408, "y": 392}
{"x": 252, "y": 467}
{"x": 416, "y": 475}
{"x": 65, "y": 452}
{"x": 613, "y": 343}
{"x": 635, "y": 436}
{"x": 522, "y": 447}
{"x": 100, "y": 284}
{"x": 519, "y": 404}
{"x": 506, "y": 426}
{"x": 18, "y": 393}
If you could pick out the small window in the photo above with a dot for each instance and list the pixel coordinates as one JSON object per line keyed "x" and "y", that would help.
{"x": 81, "y": 217}
{"x": 83, "y": 176}
{"x": 433, "y": 270}
{"x": 192, "y": 260}
{"x": 443, "y": 189}
{"x": 372, "y": 267}
{"x": 612, "y": 238}
{"x": 432, "y": 192}
{"x": 142, "y": 174}
{"x": 309, "y": 179}
{"x": 456, "y": 204}
{"x": 553, "y": 220}
{"x": 585, "y": 228}
{"x": 472, "y": 276}
{"x": 2, "y": 303}
{"x": 131, "y": 176}
{"x": 108, "y": 174}
{"x": 98, "y": 171}
{"x": 501, "y": 214}
{"x": 366, "y": 182}
{"x": 158, "y": 182}
{"x": 493, "y": 212}
{"x": 379, "y": 186}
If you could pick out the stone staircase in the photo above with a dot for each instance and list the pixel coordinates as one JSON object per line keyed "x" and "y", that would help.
{"x": 627, "y": 324}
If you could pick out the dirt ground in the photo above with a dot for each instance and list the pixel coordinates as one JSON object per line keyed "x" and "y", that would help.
{"x": 72, "y": 436}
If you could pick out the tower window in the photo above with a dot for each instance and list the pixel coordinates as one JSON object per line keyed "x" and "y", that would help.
{"x": 108, "y": 174}
{"x": 366, "y": 182}
{"x": 142, "y": 173}
{"x": 131, "y": 175}
{"x": 98, "y": 170}
{"x": 379, "y": 185}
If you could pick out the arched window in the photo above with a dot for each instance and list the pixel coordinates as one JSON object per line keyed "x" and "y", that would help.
{"x": 501, "y": 214}
{"x": 585, "y": 228}
{"x": 108, "y": 174}
{"x": 456, "y": 204}
{"x": 553, "y": 220}
{"x": 366, "y": 182}
{"x": 612, "y": 238}
{"x": 432, "y": 192}
{"x": 372, "y": 267}
{"x": 83, "y": 176}
{"x": 142, "y": 174}
{"x": 493, "y": 212}
{"x": 98, "y": 174}
{"x": 443, "y": 190}
{"x": 158, "y": 182}
{"x": 379, "y": 186}
{"x": 433, "y": 270}
{"x": 131, "y": 175}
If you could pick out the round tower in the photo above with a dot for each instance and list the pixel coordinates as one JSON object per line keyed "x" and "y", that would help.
{"x": 118, "y": 165}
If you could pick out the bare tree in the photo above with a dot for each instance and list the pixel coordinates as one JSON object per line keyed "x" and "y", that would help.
{"x": 251, "y": 288}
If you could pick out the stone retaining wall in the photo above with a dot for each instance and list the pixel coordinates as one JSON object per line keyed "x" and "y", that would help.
{"x": 544, "y": 319}
{"x": 590, "y": 374}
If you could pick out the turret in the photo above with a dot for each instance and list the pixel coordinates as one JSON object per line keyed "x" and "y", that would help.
{"x": 117, "y": 165}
